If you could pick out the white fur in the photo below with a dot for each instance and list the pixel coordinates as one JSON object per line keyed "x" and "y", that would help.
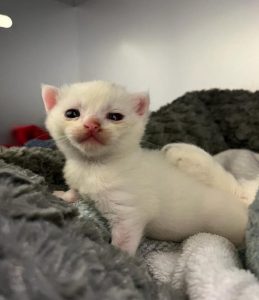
{"x": 235, "y": 171}
{"x": 199, "y": 164}
{"x": 138, "y": 190}
{"x": 244, "y": 165}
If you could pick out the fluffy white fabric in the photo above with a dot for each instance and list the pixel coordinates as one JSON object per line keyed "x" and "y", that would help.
{"x": 207, "y": 267}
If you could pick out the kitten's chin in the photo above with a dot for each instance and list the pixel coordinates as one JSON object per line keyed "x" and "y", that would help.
{"x": 91, "y": 148}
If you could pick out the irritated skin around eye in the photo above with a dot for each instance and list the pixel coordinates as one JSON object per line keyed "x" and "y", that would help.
{"x": 140, "y": 192}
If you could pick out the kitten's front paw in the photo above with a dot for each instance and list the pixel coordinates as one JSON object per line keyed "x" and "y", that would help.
{"x": 70, "y": 196}
{"x": 126, "y": 238}
{"x": 185, "y": 156}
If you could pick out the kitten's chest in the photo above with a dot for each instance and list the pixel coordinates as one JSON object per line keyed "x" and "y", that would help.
{"x": 105, "y": 186}
{"x": 92, "y": 180}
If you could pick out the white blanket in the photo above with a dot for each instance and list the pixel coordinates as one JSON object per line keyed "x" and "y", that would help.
{"x": 206, "y": 266}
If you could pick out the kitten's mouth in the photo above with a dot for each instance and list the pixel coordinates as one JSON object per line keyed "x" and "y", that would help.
{"x": 91, "y": 139}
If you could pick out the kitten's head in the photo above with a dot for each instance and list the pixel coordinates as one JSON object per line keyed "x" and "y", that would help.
{"x": 95, "y": 118}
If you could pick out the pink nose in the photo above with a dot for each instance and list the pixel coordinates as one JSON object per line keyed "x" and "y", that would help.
{"x": 92, "y": 125}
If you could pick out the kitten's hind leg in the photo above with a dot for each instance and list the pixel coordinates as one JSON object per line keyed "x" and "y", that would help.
{"x": 69, "y": 196}
{"x": 199, "y": 164}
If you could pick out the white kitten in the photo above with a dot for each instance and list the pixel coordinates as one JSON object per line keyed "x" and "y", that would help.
{"x": 98, "y": 126}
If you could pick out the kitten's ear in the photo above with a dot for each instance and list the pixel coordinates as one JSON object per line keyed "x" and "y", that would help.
{"x": 49, "y": 95}
{"x": 141, "y": 103}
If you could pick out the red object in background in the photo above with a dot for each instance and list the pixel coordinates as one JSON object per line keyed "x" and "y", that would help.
{"x": 23, "y": 134}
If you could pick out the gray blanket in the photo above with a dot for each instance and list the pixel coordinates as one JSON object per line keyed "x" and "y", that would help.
{"x": 52, "y": 250}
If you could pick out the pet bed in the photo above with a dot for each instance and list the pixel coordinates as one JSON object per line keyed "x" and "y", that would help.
{"x": 52, "y": 250}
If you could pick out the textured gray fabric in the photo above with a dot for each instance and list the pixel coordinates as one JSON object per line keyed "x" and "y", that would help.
{"x": 45, "y": 162}
{"x": 23, "y": 194}
{"x": 252, "y": 238}
{"x": 50, "y": 250}
{"x": 215, "y": 120}
{"x": 42, "y": 261}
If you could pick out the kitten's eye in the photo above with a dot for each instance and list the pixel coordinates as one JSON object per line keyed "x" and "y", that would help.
{"x": 114, "y": 116}
{"x": 72, "y": 113}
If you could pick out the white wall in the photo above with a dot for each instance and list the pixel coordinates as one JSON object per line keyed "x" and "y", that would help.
{"x": 171, "y": 46}
{"x": 166, "y": 46}
{"x": 40, "y": 47}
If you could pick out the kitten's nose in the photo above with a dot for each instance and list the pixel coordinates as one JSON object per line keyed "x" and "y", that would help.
{"x": 92, "y": 125}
